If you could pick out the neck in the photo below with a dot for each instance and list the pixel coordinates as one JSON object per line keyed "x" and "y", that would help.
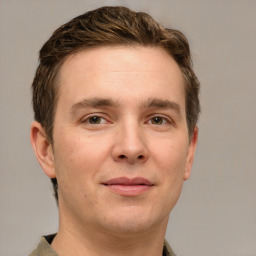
{"x": 70, "y": 242}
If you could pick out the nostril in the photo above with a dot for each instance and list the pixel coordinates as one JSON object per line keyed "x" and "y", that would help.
{"x": 140, "y": 157}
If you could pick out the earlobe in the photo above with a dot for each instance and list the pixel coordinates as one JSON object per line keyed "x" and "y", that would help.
{"x": 42, "y": 148}
{"x": 191, "y": 154}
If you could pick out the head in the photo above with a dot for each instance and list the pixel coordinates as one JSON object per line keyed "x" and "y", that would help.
{"x": 107, "y": 26}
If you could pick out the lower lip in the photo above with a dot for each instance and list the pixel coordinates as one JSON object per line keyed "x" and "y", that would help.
{"x": 129, "y": 190}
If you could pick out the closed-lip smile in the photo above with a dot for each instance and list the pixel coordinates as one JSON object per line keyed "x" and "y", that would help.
{"x": 128, "y": 186}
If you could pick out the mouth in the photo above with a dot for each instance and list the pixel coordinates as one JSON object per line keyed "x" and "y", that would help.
{"x": 128, "y": 187}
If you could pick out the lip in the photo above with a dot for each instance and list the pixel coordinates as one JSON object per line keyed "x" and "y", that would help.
{"x": 129, "y": 187}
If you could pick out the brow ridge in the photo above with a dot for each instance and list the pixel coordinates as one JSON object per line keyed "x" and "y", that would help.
{"x": 161, "y": 103}
{"x": 95, "y": 102}
{"x": 108, "y": 102}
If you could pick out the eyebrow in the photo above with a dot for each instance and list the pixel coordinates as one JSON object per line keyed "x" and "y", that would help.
{"x": 160, "y": 103}
{"x": 108, "y": 102}
{"x": 94, "y": 102}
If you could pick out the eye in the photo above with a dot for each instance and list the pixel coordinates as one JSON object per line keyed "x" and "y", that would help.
{"x": 95, "y": 120}
{"x": 158, "y": 120}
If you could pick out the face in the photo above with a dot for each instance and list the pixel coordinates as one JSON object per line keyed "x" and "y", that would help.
{"x": 121, "y": 148}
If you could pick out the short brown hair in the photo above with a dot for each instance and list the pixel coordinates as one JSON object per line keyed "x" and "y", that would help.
{"x": 108, "y": 26}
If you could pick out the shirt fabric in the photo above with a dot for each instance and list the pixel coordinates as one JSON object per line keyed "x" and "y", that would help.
{"x": 44, "y": 248}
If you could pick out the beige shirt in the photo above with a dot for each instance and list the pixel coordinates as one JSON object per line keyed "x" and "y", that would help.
{"x": 44, "y": 248}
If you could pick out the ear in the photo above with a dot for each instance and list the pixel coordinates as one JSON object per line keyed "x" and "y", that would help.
{"x": 43, "y": 149}
{"x": 191, "y": 154}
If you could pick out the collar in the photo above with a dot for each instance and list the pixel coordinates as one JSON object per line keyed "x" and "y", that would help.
{"x": 44, "y": 248}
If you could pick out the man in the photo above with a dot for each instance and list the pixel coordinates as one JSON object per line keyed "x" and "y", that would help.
{"x": 116, "y": 106}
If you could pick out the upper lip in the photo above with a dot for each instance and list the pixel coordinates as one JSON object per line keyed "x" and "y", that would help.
{"x": 128, "y": 181}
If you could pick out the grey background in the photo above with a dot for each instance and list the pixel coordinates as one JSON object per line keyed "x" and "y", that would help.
{"x": 216, "y": 214}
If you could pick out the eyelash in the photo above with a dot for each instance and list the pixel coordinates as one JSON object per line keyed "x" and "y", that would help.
{"x": 87, "y": 119}
{"x": 164, "y": 120}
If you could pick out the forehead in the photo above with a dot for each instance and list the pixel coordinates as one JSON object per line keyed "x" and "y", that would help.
{"x": 121, "y": 58}
{"x": 124, "y": 71}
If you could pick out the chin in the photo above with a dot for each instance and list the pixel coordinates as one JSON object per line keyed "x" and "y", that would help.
{"x": 133, "y": 221}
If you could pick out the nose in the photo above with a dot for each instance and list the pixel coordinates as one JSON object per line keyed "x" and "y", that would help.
{"x": 130, "y": 145}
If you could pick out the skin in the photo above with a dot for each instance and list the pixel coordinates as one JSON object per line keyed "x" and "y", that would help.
{"x": 120, "y": 113}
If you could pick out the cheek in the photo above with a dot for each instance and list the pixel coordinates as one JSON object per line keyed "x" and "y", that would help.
{"x": 171, "y": 161}
{"x": 75, "y": 166}
{"x": 170, "y": 155}
{"x": 78, "y": 157}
